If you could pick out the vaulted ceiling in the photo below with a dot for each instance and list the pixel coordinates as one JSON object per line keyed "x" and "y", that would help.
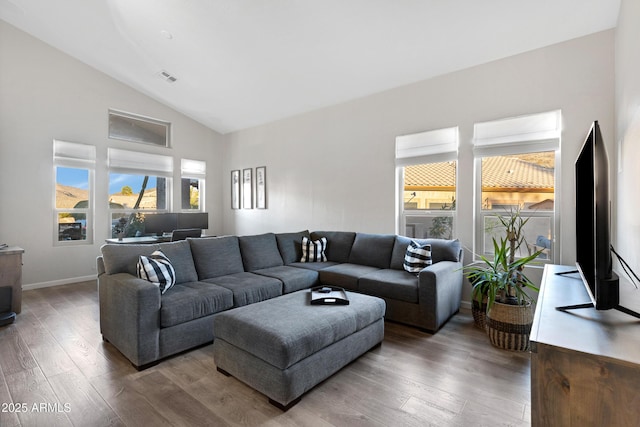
{"x": 241, "y": 63}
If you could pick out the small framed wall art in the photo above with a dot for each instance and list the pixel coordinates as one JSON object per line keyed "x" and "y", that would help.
{"x": 235, "y": 189}
{"x": 261, "y": 187}
{"x": 247, "y": 188}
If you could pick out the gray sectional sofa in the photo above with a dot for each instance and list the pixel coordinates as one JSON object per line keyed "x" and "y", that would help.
{"x": 221, "y": 273}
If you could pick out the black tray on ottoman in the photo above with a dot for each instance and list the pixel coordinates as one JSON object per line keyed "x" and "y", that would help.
{"x": 284, "y": 346}
{"x": 329, "y": 295}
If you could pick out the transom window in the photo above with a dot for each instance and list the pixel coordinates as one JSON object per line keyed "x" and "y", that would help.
{"x": 135, "y": 128}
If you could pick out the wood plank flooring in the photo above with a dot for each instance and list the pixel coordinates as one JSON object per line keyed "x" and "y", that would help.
{"x": 56, "y": 370}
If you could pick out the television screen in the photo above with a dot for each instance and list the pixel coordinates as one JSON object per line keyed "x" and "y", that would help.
{"x": 593, "y": 244}
{"x": 593, "y": 247}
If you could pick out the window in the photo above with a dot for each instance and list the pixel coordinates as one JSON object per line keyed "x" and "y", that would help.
{"x": 515, "y": 160}
{"x": 74, "y": 166}
{"x": 429, "y": 194}
{"x": 193, "y": 173}
{"x": 131, "y": 127}
{"x": 428, "y": 174}
{"x": 139, "y": 185}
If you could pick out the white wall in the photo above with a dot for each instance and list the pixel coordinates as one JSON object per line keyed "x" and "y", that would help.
{"x": 334, "y": 168}
{"x": 627, "y": 102}
{"x": 328, "y": 169}
{"x": 46, "y": 95}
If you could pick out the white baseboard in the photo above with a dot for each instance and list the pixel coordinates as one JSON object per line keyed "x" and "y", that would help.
{"x": 58, "y": 282}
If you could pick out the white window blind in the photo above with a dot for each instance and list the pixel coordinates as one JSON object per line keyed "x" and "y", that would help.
{"x": 135, "y": 161}
{"x": 431, "y": 146}
{"x": 73, "y": 154}
{"x": 193, "y": 168}
{"x": 534, "y": 132}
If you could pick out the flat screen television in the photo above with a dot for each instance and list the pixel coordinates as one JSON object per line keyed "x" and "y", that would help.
{"x": 593, "y": 241}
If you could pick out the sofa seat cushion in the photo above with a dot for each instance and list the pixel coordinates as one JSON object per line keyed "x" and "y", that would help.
{"x": 192, "y": 300}
{"x": 292, "y": 278}
{"x": 316, "y": 266}
{"x": 392, "y": 284}
{"x": 249, "y": 288}
{"x": 345, "y": 275}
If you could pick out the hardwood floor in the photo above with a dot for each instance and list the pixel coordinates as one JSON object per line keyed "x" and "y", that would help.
{"x": 56, "y": 370}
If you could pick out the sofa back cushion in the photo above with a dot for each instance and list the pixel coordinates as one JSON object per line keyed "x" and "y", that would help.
{"x": 124, "y": 258}
{"x": 441, "y": 250}
{"x": 216, "y": 256}
{"x": 290, "y": 245}
{"x": 179, "y": 253}
{"x": 119, "y": 258}
{"x": 339, "y": 244}
{"x": 260, "y": 251}
{"x": 373, "y": 250}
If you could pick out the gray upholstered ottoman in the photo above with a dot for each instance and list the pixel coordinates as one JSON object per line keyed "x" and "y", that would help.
{"x": 284, "y": 346}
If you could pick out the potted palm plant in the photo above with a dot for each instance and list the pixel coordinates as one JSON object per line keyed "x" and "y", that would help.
{"x": 501, "y": 280}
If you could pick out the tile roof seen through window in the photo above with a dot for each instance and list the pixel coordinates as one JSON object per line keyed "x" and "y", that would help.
{"x": 430, "y": 175}
{"x": 499, "y": 172}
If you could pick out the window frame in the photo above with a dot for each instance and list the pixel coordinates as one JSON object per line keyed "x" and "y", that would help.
{"x": 193, "y": 170}
{"x": 433, "y": 146}
{"x": 512, "y": 143}
{"x": 139, "y": 121}
{"x": 73, "y": 155}
{"x": 425, "y": 213}
{"x": 141, "y": 164}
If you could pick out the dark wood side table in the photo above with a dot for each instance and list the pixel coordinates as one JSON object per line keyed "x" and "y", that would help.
{"x": 11, "y": 274}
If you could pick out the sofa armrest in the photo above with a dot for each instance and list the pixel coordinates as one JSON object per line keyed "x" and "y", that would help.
{"x": 440, "y": 292}
{"x": 100, "y": 265}
{"x": 130, "y": 316}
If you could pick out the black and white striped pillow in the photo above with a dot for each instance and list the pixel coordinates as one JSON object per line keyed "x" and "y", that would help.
{"x": 313, "y": 250}
{"x": 157, "y": 269}
{"x": 417, "y": 257}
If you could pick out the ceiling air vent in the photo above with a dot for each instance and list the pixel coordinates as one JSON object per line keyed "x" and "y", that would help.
{"x": 168, "y": 77}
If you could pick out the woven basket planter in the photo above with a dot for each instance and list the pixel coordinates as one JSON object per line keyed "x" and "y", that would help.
{"x": 509, "y": 326}
{"x": 479, "y": 311}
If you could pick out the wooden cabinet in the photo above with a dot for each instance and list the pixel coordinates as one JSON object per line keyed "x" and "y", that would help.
{"x": 11, "y": 274}
{"x": 585, "y": 363}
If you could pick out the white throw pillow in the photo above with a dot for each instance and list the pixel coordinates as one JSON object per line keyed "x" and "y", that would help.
{"x": 157, "y": 269}
{"x": 417, "y": 257}
{"x": 313, "y": 250}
